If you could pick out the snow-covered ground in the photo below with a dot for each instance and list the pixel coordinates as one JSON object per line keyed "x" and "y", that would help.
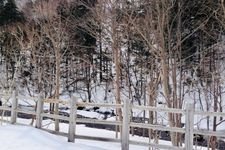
{"x": 15, "y": 137}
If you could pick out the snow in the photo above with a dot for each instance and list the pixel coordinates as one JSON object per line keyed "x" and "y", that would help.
{"x": 14, "y": 137}
{"x": 90, "y": 114}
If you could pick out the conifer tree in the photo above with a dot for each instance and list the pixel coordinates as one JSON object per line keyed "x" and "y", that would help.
{"x": 10, "y": 13}
{"x": 9, "y": 17}
{"x": 199, "y": 25}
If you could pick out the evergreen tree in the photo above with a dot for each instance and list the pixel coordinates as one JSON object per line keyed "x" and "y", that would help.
{"x": 80, "y": 25}
{"x": 199, "y": 25}
{"x": 9, "y": 13}
{"x": 1, "y": 10}
{"x": 83, "y": 29}
{"x": 1, "y": 5}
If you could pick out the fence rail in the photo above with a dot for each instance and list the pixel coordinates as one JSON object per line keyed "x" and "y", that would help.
{"x": 125, "y": 124}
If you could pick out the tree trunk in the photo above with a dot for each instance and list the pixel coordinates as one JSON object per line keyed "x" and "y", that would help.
{"x": 166, "y": 91}
{"x": 57, "y": 88}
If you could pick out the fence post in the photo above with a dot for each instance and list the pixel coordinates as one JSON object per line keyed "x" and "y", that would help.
{"x": 126, "y": 125}
{"x": 72, "y": 119}
{"x": 39, "y": 111}
{"x": 14, "y": 106}
{"x": 189, "y": 125}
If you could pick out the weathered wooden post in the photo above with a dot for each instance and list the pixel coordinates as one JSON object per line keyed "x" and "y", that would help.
{"x": 39, "y": 111}
{"x": 14, "y": 106}
{"x": 126, "y": 125}
{"x": 189, "y": 125}
{"x": 72, "y": 119}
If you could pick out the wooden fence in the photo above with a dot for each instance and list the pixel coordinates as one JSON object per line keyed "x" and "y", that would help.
{"x": 126, "y": 123}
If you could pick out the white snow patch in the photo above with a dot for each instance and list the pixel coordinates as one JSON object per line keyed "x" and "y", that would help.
{"x": 13, "y": 137}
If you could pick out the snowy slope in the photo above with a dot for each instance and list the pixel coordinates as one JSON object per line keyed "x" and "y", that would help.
{"x": 14, "y": 137}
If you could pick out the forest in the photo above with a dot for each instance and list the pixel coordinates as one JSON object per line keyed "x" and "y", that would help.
{"x": 149, "y": 52}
